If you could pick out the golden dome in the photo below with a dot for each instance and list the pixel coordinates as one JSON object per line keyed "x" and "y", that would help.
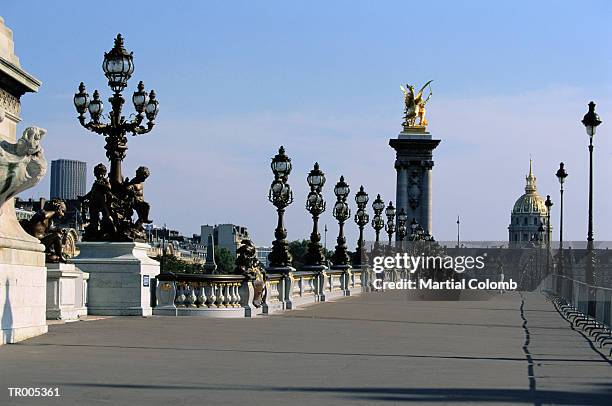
{"x": 531, "y": 202}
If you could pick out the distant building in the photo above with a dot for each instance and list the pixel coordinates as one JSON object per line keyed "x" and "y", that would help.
{"x": 72, "y": 217}
{"x": 24, "y": 214}
{"x": 262, "y": 255}
{"x": 228, "y": 236}
{"x": 528, "y": 213}
{"x": 68, "y": 179}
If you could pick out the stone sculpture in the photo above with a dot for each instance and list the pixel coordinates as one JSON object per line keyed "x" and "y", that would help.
{"x": 247, "y": 264}
{"x": 22, "y": 164}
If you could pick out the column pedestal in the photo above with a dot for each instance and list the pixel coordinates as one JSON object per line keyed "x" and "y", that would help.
{"x": 120, "y": 277}
{"x": 66, "y": 292}
{"x": 414, "y": 162}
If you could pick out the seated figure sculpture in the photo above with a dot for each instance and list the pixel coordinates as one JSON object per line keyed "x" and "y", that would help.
{"x": 135, "y": 189}
{"x": 248, "y": 265}
{"x": 42, "y": 226}
{"x": 110, "y": 207}
{"x": 99, "y": 200}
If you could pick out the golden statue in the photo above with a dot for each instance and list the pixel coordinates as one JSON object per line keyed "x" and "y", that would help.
{"x": 415, "y": 106}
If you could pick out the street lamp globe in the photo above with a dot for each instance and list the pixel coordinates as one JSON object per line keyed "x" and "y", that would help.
{"x": 390, "y": 211}
{"x": 95, "y": 106}
{"x": 281, "y": 164}
{"x": 591, "y": 120}
{"x": 414, "y": 225}
{"x": 561, "y": 173}
{"x": 378, "y": 205}
{"x": 341, "y": 210}
{"x": 139, "y": 98}
{"x": 316, "y": 178}
{"x": 341, "y": 190}
{"x": 118, "y": 65}
{"x": 81, "y": 99}
{"x": 361, "y": 198}
{"x": 402, "y": 217}
{"x": 152, "y": 107}
{"x": 548, "y": 203}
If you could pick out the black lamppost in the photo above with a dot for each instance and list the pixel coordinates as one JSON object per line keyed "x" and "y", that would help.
{"x": 402, "y": 230}
{"x": 548, "y": 203}
{"x": 390, "y": 227}
{"x": 377, "y": 222}
{"x": 590, "y": 120}
{"x": 119, "y": 204}
{"x": 561, "y": 175}
{"x": 280, "y": 196}
{"x": 315, "y": 204}
{"x": 118, "y": 67}
{"x": 341, "y": 212}
{"x": 362, "y": 219}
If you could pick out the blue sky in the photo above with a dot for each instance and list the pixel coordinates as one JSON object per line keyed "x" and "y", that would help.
{"x": 237, "y": 79}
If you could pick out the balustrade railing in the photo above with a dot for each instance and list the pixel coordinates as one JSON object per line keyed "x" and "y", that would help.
{"x": 186, "y": 291}
{"x": 197, "y": 294}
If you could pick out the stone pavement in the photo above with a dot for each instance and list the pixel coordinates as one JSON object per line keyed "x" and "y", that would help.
{"x": 373, "y": 349}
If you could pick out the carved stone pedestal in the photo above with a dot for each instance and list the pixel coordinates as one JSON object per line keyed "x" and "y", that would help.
{"x": 66, "y": 292}
{"x": 22, "y": 290}
{"x": 414, "y": 162}
{"x": 22, "y": 164}
{"x": 120, "y": 277}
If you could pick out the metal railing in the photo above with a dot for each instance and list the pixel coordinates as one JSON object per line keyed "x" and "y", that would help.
{"x": 572, "y": 298}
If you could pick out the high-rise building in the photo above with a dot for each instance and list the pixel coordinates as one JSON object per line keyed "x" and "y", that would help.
{"x": 68, "y": 179}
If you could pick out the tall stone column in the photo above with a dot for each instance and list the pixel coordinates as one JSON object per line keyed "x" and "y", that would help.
{"x": 23, "y": 275}
{"x": 401, "y": 192}
{"x": 414, "y": 162}
{"x": 427, "y": 195}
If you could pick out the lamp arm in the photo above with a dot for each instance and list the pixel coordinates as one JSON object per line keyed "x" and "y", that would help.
{"x": 98, "y": 128}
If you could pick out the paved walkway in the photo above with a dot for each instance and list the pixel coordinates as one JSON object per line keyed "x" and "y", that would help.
{"x": 375, "y": 349}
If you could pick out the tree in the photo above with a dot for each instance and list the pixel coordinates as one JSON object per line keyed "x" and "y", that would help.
{"x": 226, "y": 262}
{"x": 298, "y": 250}
{"x": 170, "y": 263}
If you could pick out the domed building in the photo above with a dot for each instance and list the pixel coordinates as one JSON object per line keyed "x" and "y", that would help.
{"x": 528, "y": 213}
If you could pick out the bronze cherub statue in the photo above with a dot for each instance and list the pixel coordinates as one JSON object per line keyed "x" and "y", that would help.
{"x": 42, "y": 226}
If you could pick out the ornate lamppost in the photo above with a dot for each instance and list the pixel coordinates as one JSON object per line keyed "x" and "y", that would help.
{"x": 390, "y": 226}
{"x": 126, "y": 195}
{"x": 548, "y": 203}
{"x": 362, "y": 219}
{"x": 315, "y": 204}
{"x": 402, "y": 231}
{"x": 377, "y": 222}
{"x": 413, "y": 229}
{"x": 341, "y": 213}
{"x": 590, "y": 120}
{"x": 561, "y": 175}
{"x": 280, "y": 196}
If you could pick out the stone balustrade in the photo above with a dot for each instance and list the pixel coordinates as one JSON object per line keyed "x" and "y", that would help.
{"x": 233, "y": 295}
{"x": 200, "y": 295}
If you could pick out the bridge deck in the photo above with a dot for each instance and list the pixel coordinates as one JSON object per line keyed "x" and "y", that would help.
{"x": 378, "y": 348}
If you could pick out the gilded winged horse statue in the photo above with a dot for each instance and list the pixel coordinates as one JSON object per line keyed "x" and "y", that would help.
{"x": 414, "y": 109}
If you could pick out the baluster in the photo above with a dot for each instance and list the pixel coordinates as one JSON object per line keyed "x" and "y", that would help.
{"x": 227, "y": 299}
{"x": 180, "y": 295}
{"x": 201, "y": 300}
{"x": 212, "y": 298}
{"x": 220, "y": 297}
{"x": 238, "y": 298}
{"x": 190, "y": 297}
